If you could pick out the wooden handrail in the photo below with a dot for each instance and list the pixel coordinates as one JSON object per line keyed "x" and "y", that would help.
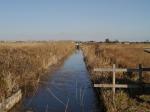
{"x": 140, "y": 69}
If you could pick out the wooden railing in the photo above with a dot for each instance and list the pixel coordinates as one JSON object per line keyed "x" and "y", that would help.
{"x": 140, "y": 69}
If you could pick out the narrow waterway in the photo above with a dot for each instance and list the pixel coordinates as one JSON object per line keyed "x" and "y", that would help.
{"x": 68, "y": 89}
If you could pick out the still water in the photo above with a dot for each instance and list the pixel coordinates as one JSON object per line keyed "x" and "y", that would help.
{"x": 68, "y": 89}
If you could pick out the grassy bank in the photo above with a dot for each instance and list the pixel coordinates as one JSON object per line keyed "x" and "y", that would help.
{"x": 21, "y": 61}
{"x": 124, "y": 56}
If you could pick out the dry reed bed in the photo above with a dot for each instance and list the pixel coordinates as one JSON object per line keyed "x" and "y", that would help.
{"x": 21, "y": 61}
{"x": 124, "y": 56}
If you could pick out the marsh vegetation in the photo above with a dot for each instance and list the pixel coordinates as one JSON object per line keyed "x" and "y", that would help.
{"x": 24, "y": 62}
{"x": 124, "y": 56}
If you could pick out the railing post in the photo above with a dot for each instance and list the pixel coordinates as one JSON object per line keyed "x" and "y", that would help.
{"x": 114, "y": 81}
{"x": 140, "y": 76}
{"x": 140, "y": 73}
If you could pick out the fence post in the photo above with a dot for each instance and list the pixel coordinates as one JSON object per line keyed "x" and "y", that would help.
{"x": 114, "y": 81}
{"x": 140, "y": 73}
{"x": 140, "y": 76}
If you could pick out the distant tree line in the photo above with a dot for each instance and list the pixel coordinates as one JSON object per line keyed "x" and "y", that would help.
{"x": 107, "y": 40}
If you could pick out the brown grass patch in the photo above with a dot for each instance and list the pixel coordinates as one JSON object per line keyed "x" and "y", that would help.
{"x": 28, "y": 60}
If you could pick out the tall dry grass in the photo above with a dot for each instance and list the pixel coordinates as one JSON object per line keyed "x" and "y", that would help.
{"x": 124, "y": 56}
{"x": 20, "y": 61}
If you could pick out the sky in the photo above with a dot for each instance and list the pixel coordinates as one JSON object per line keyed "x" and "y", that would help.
{"x": 125, "y": 20}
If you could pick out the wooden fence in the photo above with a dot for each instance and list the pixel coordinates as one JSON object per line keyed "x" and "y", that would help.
{"x": 140, "y": 69}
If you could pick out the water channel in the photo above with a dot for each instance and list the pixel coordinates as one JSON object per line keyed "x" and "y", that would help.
{"x": 68, "y": 89}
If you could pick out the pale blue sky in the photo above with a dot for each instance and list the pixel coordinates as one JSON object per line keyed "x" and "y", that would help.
{"x": 75, "y": 19}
